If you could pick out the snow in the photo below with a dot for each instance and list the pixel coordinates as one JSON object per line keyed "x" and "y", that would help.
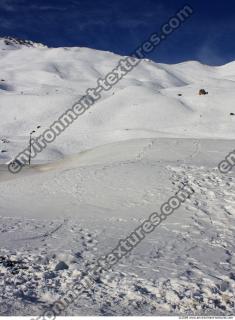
{"x": 105, "y": 174}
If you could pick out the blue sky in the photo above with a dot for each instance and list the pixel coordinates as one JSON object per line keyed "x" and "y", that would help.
{"x": 121, "y": 25}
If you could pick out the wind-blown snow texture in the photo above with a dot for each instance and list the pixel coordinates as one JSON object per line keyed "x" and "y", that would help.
{"x": 111, "y": 169}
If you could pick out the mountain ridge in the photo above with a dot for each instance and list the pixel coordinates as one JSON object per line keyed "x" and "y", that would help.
{"x": 38, "y": 84}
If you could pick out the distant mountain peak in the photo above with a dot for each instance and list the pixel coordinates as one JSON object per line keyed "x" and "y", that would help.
{"x": 13, "y": 42}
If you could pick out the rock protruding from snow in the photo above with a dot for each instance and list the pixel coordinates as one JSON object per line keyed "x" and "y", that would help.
{"x": 14, "y": 43}
{"x": 61, "y": 266}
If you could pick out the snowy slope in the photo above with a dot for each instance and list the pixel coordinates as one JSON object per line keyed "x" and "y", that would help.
{"x": 108, "y": 172}
{"x": 38, "y": 84}
{"x": 77, "y": 210}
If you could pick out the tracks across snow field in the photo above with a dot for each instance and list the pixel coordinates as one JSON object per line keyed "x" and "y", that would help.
{"x": 77, "y": 211}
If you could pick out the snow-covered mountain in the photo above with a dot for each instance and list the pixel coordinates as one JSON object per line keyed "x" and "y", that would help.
{"x": 9, "y": 43}
{"x": 37, "y": 84}
{"x": 102, "y": 177}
